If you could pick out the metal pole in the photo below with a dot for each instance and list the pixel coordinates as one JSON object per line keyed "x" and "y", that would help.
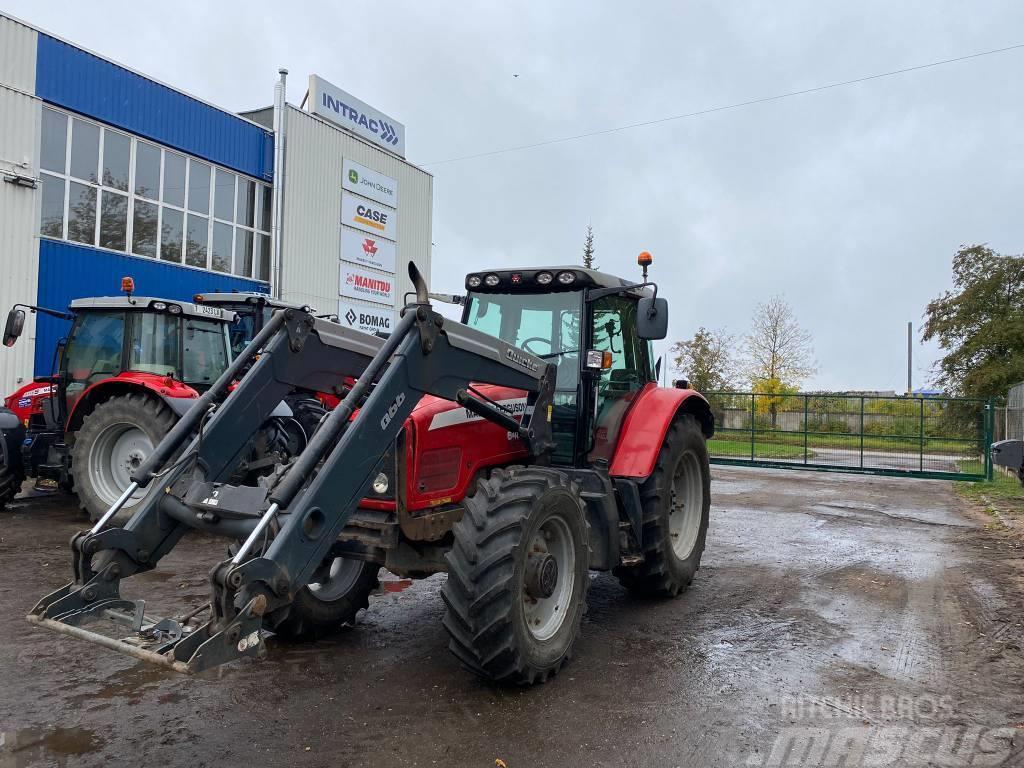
{"x": 862, "y": 431}
{"x": 752, "y": 426}
{"x": 280, "y": 105}
{"x": 990, "y": 422}
{"x": 910, "y": 357}
{"x": 806, "y": 427}
{"x": 922, "y": 435}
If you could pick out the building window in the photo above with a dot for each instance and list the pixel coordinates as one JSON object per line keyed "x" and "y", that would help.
{"x": 105, "y": 188}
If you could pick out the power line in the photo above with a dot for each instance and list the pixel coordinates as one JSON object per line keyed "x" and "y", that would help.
{"x": 737, "y": 105}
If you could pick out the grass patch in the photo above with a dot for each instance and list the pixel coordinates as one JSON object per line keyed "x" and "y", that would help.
{"x": 853, "y": 442}
{"x": 729, "y": 448}
{"x": 1001, "y": 498}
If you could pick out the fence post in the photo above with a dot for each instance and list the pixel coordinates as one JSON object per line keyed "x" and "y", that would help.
{"x": 921, "y": 457}
{"x": 752, "y": 426}
{"x": 990, "y": 422}
{"x": 806, "y": 427}
{"x": 862, "y": 431}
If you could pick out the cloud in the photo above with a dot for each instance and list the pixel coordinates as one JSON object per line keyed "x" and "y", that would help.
{"x": 851, "y": 202}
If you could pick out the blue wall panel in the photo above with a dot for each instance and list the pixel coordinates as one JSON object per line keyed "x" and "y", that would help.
{"x": 84, "y": 83}
{"x": 69, "y": 272}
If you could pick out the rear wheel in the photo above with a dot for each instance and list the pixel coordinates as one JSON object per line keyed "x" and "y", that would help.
{"x": 518, "y": 576}
{"x": 341, "y": 589}
{"x": 9, "y": 485}
{"x": 676, "y": 501}
{"x": 114, "y": 440}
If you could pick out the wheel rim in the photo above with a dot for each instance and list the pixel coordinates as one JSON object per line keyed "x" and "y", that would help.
{"x": 117, "y": 452}
{"x": 340, "y": 577}
{"x": 552, "y": 543}
{"x": 686, "y": 506}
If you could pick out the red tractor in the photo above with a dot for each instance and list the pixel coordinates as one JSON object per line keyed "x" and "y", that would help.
{"x": 131, "y": 365}
{"x": 514, "y": 451}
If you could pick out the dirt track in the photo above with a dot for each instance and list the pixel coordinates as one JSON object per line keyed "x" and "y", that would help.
{"x": 836, "y": 620}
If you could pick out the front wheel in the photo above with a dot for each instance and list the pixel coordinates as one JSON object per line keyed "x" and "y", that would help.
{"x": 676, "y": 502}
{"x": 340, "y": 590}
{"x": 518, "y": 576}
{"x": 115, "y": 438}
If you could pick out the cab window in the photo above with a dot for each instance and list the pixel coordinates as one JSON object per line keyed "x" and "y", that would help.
{"x": 94, "y": 351}
{"x": 613, "y": 329}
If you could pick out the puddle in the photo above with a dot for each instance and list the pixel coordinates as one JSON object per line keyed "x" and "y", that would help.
{"x": 30, "y": 746}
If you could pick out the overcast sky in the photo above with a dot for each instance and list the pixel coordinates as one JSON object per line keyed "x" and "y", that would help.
{"x": 850, "y": 202}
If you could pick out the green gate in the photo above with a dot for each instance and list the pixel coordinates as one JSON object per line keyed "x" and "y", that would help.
{"x": 935, "y": 437}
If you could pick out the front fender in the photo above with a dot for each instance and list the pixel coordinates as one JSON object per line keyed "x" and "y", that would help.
{"x": 178, "y": 397}
{"x": 647, "y": 423}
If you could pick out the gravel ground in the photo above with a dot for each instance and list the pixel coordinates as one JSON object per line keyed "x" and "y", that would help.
{"x": 836, "y": 620}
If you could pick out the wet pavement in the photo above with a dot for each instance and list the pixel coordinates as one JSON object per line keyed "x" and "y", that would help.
{"x": 836, "y": 620}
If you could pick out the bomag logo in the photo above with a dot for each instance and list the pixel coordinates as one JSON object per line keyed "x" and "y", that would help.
{"x": 521, "y": 360}
{"x": 353, "y": 176}
{"x": 392, "y": 410}
{"x": 371, "y": 217}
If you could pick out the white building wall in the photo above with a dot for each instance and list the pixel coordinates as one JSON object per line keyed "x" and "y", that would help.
{"x": 310, "y": 266}
{"x": 19, "y": 246}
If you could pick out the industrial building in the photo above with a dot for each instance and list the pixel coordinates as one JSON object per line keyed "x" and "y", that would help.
{"x": 107, "y": 172}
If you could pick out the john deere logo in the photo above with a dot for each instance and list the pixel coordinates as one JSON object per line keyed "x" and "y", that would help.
{"x": 353, "y": 175}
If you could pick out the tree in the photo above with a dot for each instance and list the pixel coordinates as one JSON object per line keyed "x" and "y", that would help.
{"x": 707, "y": 360}
{"x": 588, "y": 249}
{"x": 980, "y": 324}
{"x": 778, "y": 353}
{"x": 777, "y": 347}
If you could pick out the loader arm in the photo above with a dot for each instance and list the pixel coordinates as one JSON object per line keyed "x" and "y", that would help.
{"x": 309, "y": 501}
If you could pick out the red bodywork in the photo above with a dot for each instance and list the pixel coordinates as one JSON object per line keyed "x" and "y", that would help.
{"x": 446, "y": 446}
{"x": 28, "y": 400}
{"x": 646, "y": 424}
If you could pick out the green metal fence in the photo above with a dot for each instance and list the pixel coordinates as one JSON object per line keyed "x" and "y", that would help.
{"x": 935, "y": 437}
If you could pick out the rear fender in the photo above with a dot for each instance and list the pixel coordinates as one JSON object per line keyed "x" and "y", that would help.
{"x": 647, "y": 423}
{"x": 177, "y": 396}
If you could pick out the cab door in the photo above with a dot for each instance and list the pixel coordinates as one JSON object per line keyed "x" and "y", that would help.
{"x": 612, "y": 328}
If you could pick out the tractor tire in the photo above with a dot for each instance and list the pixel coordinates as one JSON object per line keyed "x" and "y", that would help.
{"x": 9, "y": 485}
{"x": 115, "y": 438}
{"x": 676, "y": 501}
{"x": 309, "y": 412}
{"x": 321, "y": 608}
{"x": 518, "y": 576}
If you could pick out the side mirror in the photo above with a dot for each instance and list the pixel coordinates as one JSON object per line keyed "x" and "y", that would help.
{"x": 652, "y": 318}
{"x": 15, "y": 325}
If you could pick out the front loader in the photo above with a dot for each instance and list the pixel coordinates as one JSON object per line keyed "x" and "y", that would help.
{"x": 461, "y": 448}
{"x": 309, "y": 501}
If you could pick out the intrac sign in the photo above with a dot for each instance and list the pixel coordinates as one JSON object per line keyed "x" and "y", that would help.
{"x": 367, "y": 250}
{"x": 368, "y": 183}
{"x": 341, "y": 107}
{"x": 358, "y": 283}
{"x": 368, "y": 216}
{"x": 366, "y": 319}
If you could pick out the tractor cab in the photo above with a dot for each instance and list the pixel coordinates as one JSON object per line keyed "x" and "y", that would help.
{"x": 252, "y": 311}
{"x": 130, "y": 365}
{"x": 594, "y": 327}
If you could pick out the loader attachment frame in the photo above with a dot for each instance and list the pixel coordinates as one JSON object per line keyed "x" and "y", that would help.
{"x": 308, "y": 501}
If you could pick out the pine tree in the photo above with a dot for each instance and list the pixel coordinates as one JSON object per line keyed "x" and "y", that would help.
{"x": 588, "y": 249}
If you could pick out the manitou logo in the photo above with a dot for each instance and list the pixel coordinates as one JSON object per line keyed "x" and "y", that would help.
{"x": 369, "y": 247}
{"x": 369, "y": 283}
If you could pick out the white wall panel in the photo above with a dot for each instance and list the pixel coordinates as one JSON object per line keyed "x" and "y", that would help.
{"x": 19, "y": 246}
{"x": 17, "y": 55}
{"x": 312, "y": 201}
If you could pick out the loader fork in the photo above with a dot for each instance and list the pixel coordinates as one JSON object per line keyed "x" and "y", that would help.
{"x": 311, "y": 500}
